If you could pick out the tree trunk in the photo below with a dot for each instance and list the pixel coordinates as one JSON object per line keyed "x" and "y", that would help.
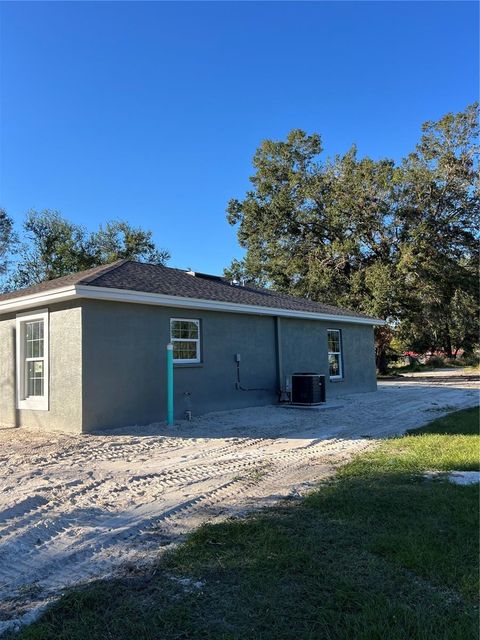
{"x": 382, "y": 363}
{"x": 448, "y": 346}
{"x": 383, "y": 337}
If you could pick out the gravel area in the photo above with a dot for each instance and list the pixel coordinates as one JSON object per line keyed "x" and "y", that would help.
{"x": 73, "y": 508}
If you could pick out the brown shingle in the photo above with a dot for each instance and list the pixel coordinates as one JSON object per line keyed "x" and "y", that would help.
{"x": 152, "y": 278}
{"x": 80, "y": 277}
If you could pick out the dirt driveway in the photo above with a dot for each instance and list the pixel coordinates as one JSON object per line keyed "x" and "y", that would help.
{"x": 77, "y": 507}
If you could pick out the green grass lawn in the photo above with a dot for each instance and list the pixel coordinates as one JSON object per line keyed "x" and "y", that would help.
{"x": 379, "y": 552}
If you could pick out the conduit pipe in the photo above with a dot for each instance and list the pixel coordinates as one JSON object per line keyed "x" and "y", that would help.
{"x": 170, "y": 384}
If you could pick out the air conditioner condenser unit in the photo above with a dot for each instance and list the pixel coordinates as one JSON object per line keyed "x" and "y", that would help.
{"x": 308, "y": 388}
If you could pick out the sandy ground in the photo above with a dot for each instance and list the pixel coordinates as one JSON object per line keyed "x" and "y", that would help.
{"x": 73, "y": 508}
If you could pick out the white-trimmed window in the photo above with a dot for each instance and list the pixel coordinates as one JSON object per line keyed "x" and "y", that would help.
{"x": 335, "y": 364}
{"x": 32, "y": 360}
{"x": 185, "y": 337}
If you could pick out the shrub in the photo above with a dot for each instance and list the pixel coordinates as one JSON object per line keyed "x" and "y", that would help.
{"x": 467, "y": 360}
{"x": 472, "y": 360}
{"x": 455, "y": 362}
{"x": 436, "y": 362}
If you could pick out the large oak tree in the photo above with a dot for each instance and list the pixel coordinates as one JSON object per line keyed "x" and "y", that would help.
{"x": 397, "y": 241}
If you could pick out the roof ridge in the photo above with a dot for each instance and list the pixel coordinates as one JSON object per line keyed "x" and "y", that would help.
{"x": 102, "y": 269}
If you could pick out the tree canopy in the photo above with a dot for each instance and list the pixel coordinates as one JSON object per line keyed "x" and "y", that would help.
{"x": 6, "y": 240}
{"x": 51, "y": 246}
{"x": 398, "y": 241}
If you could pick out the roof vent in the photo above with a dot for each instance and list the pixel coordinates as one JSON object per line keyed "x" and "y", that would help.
{"x": 238, "y": 283}
{"x": 205, "y": 276}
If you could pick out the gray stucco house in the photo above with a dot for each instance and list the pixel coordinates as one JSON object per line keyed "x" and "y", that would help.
{"x": 87, "y": 351}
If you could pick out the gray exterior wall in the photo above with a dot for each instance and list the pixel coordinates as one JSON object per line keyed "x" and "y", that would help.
{"x": 304, "y": 348}
{"x": 108, "y": 364}
{"x": 124, "y": 363}
{"x": 65, "y": 396}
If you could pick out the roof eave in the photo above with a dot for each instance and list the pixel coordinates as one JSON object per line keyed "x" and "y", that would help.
{"x": 38, "y": 299}
{"x": 138, "y": 297}
{"x": 160, "y": 299}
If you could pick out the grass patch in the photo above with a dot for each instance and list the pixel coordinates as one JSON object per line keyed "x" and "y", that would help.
{"x": 465, "y": 422}
{"x": 378, "y": 552}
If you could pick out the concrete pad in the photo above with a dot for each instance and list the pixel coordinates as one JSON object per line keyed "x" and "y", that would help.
{"x": 457, "y": 477}
{"x": 464, "y": 477}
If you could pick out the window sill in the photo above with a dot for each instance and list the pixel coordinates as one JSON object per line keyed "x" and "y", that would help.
{"x": 33, "y": 405}
{"x": 187, "y": 365}
{"x": 337, "y": 379}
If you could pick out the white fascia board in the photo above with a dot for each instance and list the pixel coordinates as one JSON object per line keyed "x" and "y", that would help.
{"x": 137, "y": 297}
{"x": 39, "y": 299}
{"x": 159, "y": 299}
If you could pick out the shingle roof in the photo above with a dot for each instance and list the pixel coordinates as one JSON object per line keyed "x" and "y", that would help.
{"x": 80, "y": 277}
{"x": 153, "y": 278}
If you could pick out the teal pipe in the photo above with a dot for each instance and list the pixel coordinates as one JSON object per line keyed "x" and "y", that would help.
{"x": 170, "y": 384}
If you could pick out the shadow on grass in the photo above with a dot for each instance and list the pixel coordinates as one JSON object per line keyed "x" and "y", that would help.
{"x": 465, "y": 422}
{"x": 365, "y": 557}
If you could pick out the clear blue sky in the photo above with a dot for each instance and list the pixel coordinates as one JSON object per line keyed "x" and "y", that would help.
{"x": 152, "y": 111}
